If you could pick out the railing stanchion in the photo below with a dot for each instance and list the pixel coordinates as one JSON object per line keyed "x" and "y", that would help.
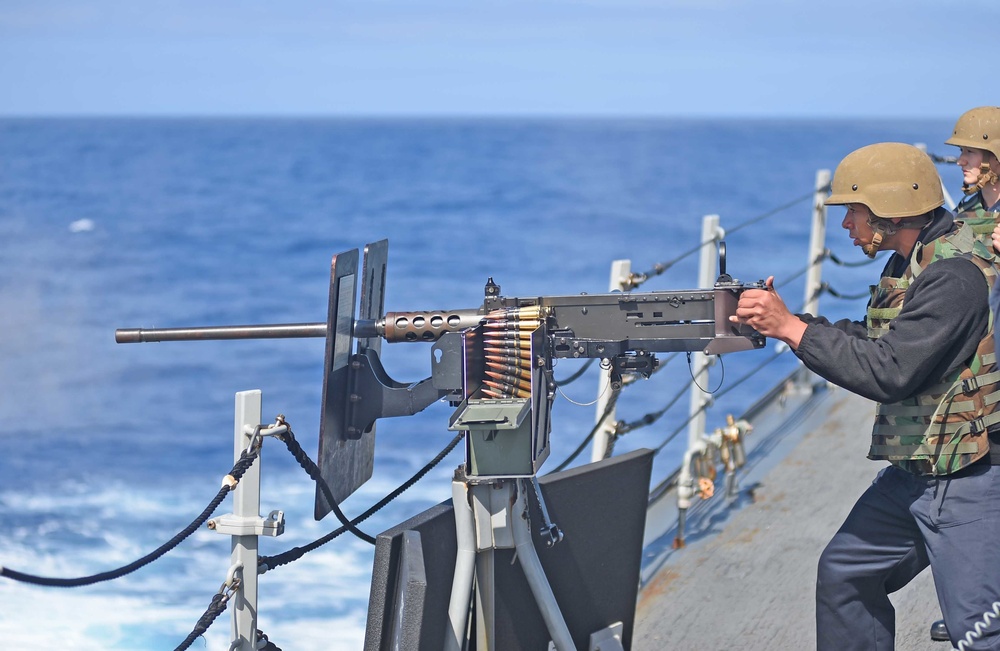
{"x": 246, "y": 504}
{"x": 620, "y": 272}
{"x": 244, "y": 524}
{"x": 817, "y": 244}
{"x": 707, "y": 273}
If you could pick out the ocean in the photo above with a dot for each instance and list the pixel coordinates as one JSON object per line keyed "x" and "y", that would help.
{"x": 108, "y": 450}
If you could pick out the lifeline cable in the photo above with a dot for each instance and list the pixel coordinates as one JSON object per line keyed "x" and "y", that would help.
{"x": 801, "y": 272}
{"x": 680, "y": 428}
{"x": 577, "y": 375}
{"x": 270, "y": 562}
{"x": 847, "y": 297}
{"x": 837, "y": 261}
{"x": 775, "y": 211}
{"x": 265, "y": 563}
{"x": 593, "y": 432}
{"x": 652, "y": 416}
{"x": 721, "y": 393}
{"x": 215, "y": 608}
{"x": 751, "y": 373}
{"x": 314, "y": 473}
{"x": 607, "y": 411}
{"x": 241, "y": 466}
{"x": 637, "y": 279}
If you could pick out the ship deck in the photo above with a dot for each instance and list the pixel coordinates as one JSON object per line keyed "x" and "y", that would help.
{"x": 745, "y": 578}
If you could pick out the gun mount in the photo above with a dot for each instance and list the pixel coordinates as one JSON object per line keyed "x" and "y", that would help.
{"x": 493, "y": 363}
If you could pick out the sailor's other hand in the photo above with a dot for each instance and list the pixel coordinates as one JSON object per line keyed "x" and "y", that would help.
{"x": 996, "y": 238}
{"x": 765, "y": 312}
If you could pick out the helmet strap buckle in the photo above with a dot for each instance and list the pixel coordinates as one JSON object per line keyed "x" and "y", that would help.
{"x": 871, "y": 249}
{"x": 986, "y": 177}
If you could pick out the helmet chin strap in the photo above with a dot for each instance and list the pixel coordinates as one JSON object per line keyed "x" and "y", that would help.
{"x": 882, "y": 227}
{"x": 986, "y": 177}
{"x": 871, "y": 249}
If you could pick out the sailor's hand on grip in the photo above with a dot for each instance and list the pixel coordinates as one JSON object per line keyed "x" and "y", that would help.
{"x": 765, "y": 312}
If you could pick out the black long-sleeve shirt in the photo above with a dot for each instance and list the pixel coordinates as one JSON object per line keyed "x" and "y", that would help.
{"x": 945, "y": 315}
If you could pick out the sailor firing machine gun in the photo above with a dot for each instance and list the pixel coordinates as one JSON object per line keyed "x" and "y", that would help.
{"x": 494, "y": 362}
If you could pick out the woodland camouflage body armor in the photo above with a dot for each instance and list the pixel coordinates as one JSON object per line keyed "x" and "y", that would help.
{"x": 943, "y": 429}
{"x": 972, "y": 212}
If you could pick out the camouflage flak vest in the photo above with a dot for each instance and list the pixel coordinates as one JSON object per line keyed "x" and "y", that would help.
{"x": 943, "y": 429}
{"x": 972, "y": 212}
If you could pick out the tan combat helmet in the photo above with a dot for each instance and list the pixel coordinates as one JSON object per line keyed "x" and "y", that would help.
{"x": 893, "y": 180}
{"x": 979, "y": 128}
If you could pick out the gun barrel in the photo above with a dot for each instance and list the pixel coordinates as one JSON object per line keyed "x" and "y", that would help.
{"x": 274, "y": 331}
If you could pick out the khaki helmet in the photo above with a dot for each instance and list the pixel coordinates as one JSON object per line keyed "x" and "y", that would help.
{"x": 978, "y": 128}
{"x": 890, "y": 178}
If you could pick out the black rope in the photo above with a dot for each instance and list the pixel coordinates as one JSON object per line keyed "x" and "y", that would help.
{"x": 314, "y": 472}
{"x": 607, "y": 410}
{"x": 245, "y": 461}
{"x": 749, "y": 375}
{"x": 718, "y": 395}
{"x": 860, "y": 263}
{"x": 680, "y": 428}
{"x": 270, "y": 562}
{"x": 577, "y": 375}
{"x": 652, "y": 417}
{"x": 268, "y": 644}
{"x": 664, "y": 362}
{"x": 215, "y": 608}
{"x": 847, "y": 297}
{"x": 812, "y": 297}
{"x": 593, "y": 432}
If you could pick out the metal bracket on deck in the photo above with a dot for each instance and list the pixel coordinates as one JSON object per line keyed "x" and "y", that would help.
{"x": 608, "y": 639}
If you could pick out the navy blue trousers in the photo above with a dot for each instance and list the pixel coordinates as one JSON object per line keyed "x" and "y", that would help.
{"x": 898, "y": 527}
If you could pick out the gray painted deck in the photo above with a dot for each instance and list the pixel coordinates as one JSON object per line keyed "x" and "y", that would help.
{"x": 746, "y": 577}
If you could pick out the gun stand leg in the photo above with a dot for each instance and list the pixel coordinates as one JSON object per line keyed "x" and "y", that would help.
{"x": 490, "y": 516}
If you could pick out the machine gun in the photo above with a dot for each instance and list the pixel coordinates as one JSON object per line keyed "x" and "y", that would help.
{"x": 492, "y": 363}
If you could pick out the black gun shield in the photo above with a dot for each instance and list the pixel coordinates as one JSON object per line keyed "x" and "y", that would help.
{"x": 346, "y": 463}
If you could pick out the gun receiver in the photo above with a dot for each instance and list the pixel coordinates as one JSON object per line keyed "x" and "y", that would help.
{"x": 494, "y": 363}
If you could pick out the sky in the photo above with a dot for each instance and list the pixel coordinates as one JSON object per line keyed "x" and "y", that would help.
{"x": 617, "y": 58}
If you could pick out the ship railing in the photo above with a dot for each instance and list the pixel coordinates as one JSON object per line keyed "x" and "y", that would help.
{"x": 608, "y": 428}
{"x": 690, "y": 479}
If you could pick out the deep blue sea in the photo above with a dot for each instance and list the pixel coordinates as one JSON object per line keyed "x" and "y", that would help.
{"x": 108, "y": 450}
